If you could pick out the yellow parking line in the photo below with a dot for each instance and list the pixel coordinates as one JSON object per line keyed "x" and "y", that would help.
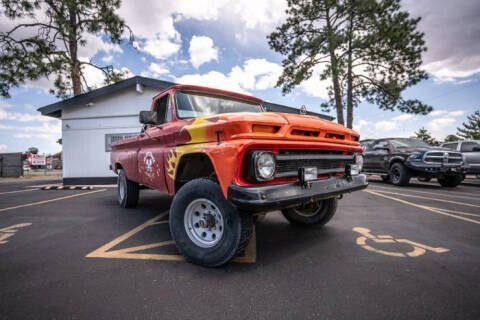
{"x": 435, "y": 210}
{"x": 18, "y": 191}
{"x": 50, "y": 200}
{"x": 451, "y": 194}
{"x": 434, "y": 199}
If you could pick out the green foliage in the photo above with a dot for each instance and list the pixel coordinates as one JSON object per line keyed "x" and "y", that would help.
{"x": 451, "y": 138}
{"x": 32, "y": 150}
{"x": 471, "y": 128}
{"x": 46, "y": 39}
{"x": 371, "y": 50}
{"x": 424, "y": 135}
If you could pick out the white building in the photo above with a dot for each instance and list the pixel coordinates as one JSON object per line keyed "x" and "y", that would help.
{"x": 91, "y": 121}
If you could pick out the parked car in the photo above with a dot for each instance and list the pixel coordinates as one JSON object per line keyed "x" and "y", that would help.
{"x": 399, "y": 159}
{"x": 470, "y": 150}
{"x": 224, "y": 160}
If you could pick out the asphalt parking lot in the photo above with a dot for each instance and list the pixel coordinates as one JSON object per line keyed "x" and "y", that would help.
{"x": 389, "y": 252}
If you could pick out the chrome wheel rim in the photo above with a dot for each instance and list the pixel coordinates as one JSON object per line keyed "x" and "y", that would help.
{"x": 309, "y": 209}
{"x": 203, "y": 223}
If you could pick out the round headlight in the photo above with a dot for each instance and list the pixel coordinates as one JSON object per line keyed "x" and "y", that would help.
{"x": 359, "y": 161}
{"x": 264, "y": 165}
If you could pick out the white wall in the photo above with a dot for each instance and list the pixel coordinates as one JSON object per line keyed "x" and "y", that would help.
{"x": 84, "y": 129}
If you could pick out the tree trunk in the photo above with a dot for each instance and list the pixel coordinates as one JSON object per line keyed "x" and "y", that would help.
{"x": 350, "y": 79}
{"x": 336, "y": 85}
{"x": 75, "y": 71}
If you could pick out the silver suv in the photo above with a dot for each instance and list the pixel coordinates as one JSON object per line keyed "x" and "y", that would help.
{"x": 470, "y": 150}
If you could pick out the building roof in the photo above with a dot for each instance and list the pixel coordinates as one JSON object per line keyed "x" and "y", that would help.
{"x": 55, "y": 109}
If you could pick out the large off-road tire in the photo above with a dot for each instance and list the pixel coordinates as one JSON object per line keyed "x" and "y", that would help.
{"x": 450, "y": 181}
{"x": 127, "y": 191}
{"x": 207, "y": 229}
{"x": 399, "y": 174}
{"x": 316, "y": 213}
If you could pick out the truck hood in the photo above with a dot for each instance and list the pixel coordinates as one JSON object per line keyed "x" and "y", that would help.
{"x": 265, "y": 125}
{"x": 423, "y": 149}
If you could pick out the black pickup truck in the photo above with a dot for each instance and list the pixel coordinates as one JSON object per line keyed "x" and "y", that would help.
{"x": 398, "y": 159}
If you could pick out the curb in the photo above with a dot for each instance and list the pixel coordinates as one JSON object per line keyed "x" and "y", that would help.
{"x": 67, "y": 188}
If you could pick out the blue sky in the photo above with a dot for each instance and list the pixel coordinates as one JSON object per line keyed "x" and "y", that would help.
{"x": 221, "y": 43}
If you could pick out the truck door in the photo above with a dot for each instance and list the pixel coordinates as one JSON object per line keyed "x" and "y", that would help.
{"x": 151, "y": 168}
{"x": 376, "y": 158}
{"x": 472, "y": 157}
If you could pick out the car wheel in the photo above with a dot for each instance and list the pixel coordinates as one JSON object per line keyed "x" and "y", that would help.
{"x": 450, "y": 181}
{"x": 399, "y": 174}
{"x": 424, "y": 179}
{"x": 127, "y": 191}
{"x": 207, "y": 229}
{"x": 385, "y": 178}
{"x": 316, "y": 213}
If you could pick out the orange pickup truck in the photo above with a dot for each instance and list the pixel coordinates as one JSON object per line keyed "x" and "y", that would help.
{"x": 226, "y": 161}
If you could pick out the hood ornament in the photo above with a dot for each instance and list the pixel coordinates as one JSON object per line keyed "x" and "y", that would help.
{"x": 303, "y": 110}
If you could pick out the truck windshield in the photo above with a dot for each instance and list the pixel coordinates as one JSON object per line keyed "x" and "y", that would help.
{"x": 409, "y": 143}
{"x": 191, "y": 105}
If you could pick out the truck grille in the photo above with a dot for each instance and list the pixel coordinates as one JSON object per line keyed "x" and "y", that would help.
{"x": 441, "y": 157}
{"x": 326, "y": 162}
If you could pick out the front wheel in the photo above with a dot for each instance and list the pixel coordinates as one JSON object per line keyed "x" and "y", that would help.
{"x": 399, "y": 174}
{"x": 450, "y": 181}
{"x": 316, "y": 213}
{"x": 207, "y": 229}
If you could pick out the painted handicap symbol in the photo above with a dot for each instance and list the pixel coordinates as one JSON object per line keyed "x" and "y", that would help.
{"x": 367, "y": 238}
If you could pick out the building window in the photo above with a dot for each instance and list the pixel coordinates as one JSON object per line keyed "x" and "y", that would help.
{"x": 113, "y": 137}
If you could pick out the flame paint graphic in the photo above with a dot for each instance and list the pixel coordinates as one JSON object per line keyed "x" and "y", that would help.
{"x": 172, "y": 163}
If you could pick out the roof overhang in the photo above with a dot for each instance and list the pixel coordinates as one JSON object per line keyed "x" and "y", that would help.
{"x": 55, "y": 109}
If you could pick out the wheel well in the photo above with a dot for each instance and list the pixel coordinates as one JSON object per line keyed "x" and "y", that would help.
{"x": 192, "y": 166}
{"x": 395, "y": 161}
{"x": 118, "y": 166}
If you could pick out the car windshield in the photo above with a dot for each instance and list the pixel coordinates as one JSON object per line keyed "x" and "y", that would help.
{"x": 191, "y": 105}
{"x": 409, "y": 143}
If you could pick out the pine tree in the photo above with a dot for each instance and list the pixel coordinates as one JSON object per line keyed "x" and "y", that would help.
{"x": 47, "y": 38}
{"x": 424, "y": 135}
{"x": 451, "y": 138}
{"x": 369, "y": 49}
{"x": 471, "y": 128}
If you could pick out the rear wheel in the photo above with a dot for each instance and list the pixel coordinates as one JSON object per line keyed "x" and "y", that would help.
{"x": 316, "y": 213}
{"x": 450, "y": 181}
{"x": 399, "y": 174}
{"x": 127, "y": 191}
{"x": 206, "y": 228}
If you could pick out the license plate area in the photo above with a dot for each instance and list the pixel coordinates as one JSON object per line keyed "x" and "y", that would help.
{"x": 308, "y": 173}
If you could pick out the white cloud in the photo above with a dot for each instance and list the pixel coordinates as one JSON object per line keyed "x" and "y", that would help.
{"x": 202, "y": 50}
{"x": 255, "y": 74}
{"x": 451, "y": 34}
{"x": 107, "y": 59}
{"x": 438, "y": 113}
{"x": 3, "y": 147}
{"x": 441, "y": 124}
{"x": 386, "y": 126}
{"x": 403, "y": 117}
{"x": 155, "y": 70}
{"x": 360, "y": 124}
{"x": 162, "y": 48}
{"x": 314, "y": 86}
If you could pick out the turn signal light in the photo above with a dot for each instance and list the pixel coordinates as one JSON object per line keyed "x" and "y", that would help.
{"x": 260, "y": 128}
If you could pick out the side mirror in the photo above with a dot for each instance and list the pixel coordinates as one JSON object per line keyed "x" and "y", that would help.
{"x": 148, "y": 117}
{"x": 380, "y": 147}
{"x": 476, "y": 149}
